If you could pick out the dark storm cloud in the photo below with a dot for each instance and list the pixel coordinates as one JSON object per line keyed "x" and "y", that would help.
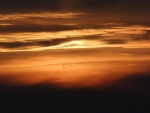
{"x": 8, "y": 6}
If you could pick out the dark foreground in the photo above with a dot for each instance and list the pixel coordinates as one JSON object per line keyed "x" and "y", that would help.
{"x": 46, "y": 99}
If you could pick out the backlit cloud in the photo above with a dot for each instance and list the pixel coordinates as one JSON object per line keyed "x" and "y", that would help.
{"x": 35, "y": 36}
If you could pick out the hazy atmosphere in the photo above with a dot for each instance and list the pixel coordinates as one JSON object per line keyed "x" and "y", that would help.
{"x": 66, "y": 49}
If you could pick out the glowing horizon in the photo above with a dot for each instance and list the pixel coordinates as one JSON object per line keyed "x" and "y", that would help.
{"x": 73, "y": 43}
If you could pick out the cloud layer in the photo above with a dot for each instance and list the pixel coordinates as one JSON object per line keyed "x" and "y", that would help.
{"x": 9, "y": 6}
{"x": 36, "y": 36}
{"x": 80, "y": 24}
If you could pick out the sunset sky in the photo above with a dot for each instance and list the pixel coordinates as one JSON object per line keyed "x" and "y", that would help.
{"x": 73, "y": 43}
{"x": 74, "y": 56}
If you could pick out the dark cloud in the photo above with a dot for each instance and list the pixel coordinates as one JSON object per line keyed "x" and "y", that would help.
{"x": 43, "y": 43}
{"x": 142, "y": 37}
{"x": 35, "y": 28}
{"x": 8, "y": 6}
{"x": 13, "y": 44}
{"x": 113, "y": 5}
{"x": 124, "y": 38}
{"x": 127, "y": 38}
{"x": 115, "y": 41}
{"x": 58, "y": 41}
{"x": 54, "y": 41}
{"x": 19, "y": 44}
{"x": 12, "y": 6}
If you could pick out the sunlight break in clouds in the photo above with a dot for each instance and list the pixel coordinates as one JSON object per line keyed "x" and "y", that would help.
{"x": 114, "y": 36}
{"x": 72, "y": 43}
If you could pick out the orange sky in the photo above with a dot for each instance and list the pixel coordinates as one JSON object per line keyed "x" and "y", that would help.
{"x": 71, "y": 68}
{"x": 74, "y": 47}
{"x": 74, "y": 56}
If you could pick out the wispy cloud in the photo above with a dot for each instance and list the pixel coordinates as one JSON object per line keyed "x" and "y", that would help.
{"x": 24, "y": 37}
{"x": 48, "y": 30}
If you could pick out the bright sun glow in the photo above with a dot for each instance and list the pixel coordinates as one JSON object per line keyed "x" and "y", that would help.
{"x": 76, "y": 42}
